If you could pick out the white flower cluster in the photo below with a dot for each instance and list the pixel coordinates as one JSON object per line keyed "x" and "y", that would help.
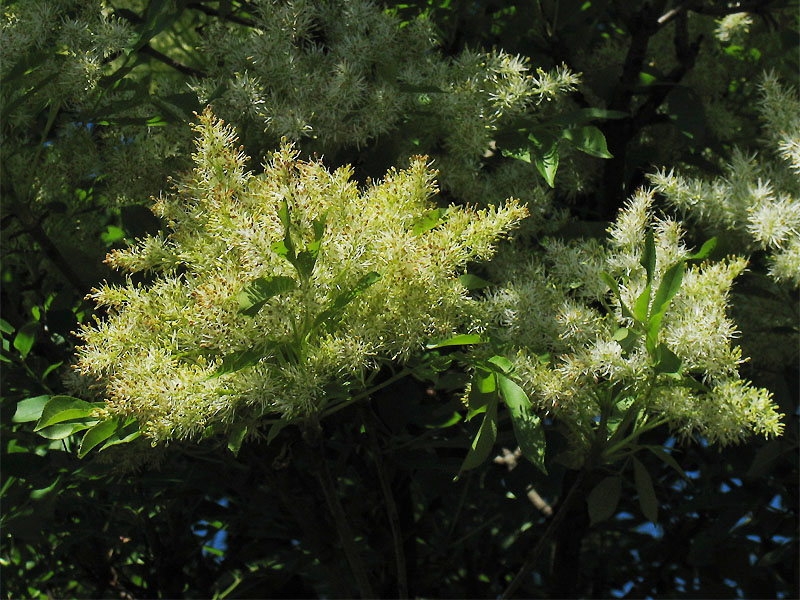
{"x": 87, "y": 34}
{"x": 564, "y": 332}
{"x": 337, "y": 75}
{"x": 358, "y": 278}
{"x": 759, "y": 197}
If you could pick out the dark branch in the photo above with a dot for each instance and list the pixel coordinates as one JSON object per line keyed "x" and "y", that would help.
{"x": 150, "y": 51}
{"x": 215, "y": 13}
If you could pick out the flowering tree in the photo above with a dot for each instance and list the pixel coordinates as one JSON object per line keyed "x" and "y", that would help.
{"x": 442, "y": 331}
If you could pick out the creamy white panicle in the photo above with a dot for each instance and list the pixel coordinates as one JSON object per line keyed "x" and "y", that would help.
{"x": 158, "y": 351}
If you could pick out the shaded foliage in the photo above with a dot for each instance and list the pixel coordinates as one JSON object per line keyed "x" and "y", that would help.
{"x": 196, "y": 520}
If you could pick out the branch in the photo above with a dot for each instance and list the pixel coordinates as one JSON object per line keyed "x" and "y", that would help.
{"x": 171, "y": 62}
{"x": 533, "y": 557}
{"x": 215, "y": 13}
{"x": 754, "y": 6}
{"x": 687, "y": 55}
{"x": 391, "y": 507}
{"x": 342, "y": 525}
{"x": 306, "y": 516}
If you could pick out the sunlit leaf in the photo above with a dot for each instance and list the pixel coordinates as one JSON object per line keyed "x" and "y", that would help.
{"x": 483, "y": 391}
{"x": 465, "y": 339}
{"x": 96, "y": 435}
{"x": 65, "y": 408}
{"x": 124, "y": 434}
{"x": 30, "y": 409}
{"x": 501, "y": 363}
{"x": 236, "y": 436}
{"x": 473, "y": 282}
{"x": 259, "y": 292}
{"x": 648, "y": 260}
{"x": 429, "y": 221}
{"x": 25, "y": 338}
{"x": 484, "y": 441}
{"x": 588, "y": 139}
{"x": 704, "y": 251}
{"x": 527, "y": 424}
{"x": 666, "y": 360}
{"x": 342, "y": 300}
{"x": 60, "y": 431}
{"x": 544, "y": 154}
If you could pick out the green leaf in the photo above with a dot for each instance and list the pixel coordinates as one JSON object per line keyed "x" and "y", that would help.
{"x": 642, "y": 305}
{"x": 693, "y": 384}
{"x": 473, "y": 282}
{"x": 502, "y": 363}
{"x": 96, "y": 435}
{"x": 241, "y": 359}
{"x": 602, "y": 501}
{"x": 25, "y": 337}
{"x": 446, "y": 420}
{"x": 464, "y": 339}
{"x": 588, "y": 139}
{"x": 648, "y": 260}
{"x": 44, "y": 492}
{"x": 50, "y": 369}
{"x": 330, "y": 314}
{"x": 285, "y": 247}
{"x": 59, "y": 431}
{"x": 612, "y": 283}
{"x": 544, "y": 153}
{"x": 666, "y": 361}
{"x": 305, "y": 261}
{"x": 626, "y": 338}
{"x": 620, "y": 334}
{"x": 484, "y": 441}
{"x": 482, "y": 392}
{"x": 30, "y": 409}
{"x": 669, "y": 286}
{"x": 236, "y": 436}
{"x": 523, "y": 154}
{"x": 65, "y": 408}
{"x": 527, "y": 425}
{"x": 6, "y": 327}
{"x": 704, "y": 251}
{"x": 112, "y": 234}
{"x": 429, "y": 221}
{"x": 259, "y": 291}
{"x": 319, "y": 226}
{"x": 667, "y": 458}
{"x": 645, "y": 491}
{"x": 125, "y": 433}
{"x": 430, "y": 365}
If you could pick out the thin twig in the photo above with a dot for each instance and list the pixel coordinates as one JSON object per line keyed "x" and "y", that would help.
{"x": 343, "y": 526}
{"x": 227, "y": 17}
{"x": 533, "y": 557}
{"x": 171, "y": 62}
{"x": 391, "y": 506}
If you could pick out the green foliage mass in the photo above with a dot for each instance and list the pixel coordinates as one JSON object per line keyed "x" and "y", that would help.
{"x": 443, "y": 341}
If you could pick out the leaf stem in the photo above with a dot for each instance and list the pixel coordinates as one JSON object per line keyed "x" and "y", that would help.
{"x": 367, "y": 393}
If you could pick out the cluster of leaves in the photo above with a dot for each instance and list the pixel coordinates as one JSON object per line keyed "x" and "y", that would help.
{"x": 266, "y": 305}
